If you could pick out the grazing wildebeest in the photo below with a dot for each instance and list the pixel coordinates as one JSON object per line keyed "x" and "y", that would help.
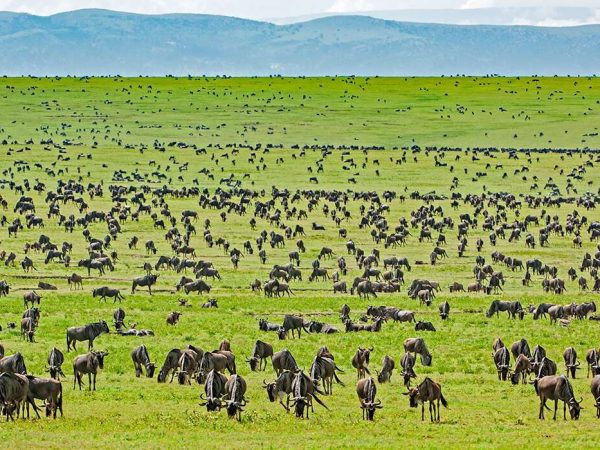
{"x": 119, "y": 317}
{"x": 502, "y": 361}
{"x": 366, "y": 391}
{"x": 408, "y": 363}
{"x": 512, "y": 308}
{"x": 360, "y": 361}
{"x": 553, "y": 387}
{"x": 198, "y": 286}
{"x": 444, "y": 309}
{"x": 13, "y": 392}
{"x": 187, "y": 366}
{"x": 387, "y": 368}
{"x": 140, "y": 358}
{"x": 260, "y": 353}
{"x": 304, "y": 390}
{"x": 88, "y": 363}
{"x": 105, "y": 291}
{"x": 522, "y": 369}
{"x": 169, "y": 365}
{"x": 214, "y": 388}
{"x": 55, "y": 362}
{"x": 235, "y": 391}
{"x": 283, "y": 360}
{"x": 571, "y": 363}
{"x": 47, "y": 389}
{"x": 146, "y": 280}
{"x": 417, "y": 345}
{"x": 595, "y": 388}
{"x": 324, "y": 368}
{"x": 538, "y": 354}
{"x": 520, "y": 347}
{"x": 280, "y": 388}
{"x": 546, "y": 367}
{"x": 219, "y": 361}
{"x": 87, "y": 332}
{"x": 424, "y": 326}
{"x": 581, "y": 311}
{"x": 427, "y": 391}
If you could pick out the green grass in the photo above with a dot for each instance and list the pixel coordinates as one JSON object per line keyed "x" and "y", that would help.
{"x": 139, "y": 412}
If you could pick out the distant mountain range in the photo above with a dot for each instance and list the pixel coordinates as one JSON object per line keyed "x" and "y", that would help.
{"x": 100, "y": 42}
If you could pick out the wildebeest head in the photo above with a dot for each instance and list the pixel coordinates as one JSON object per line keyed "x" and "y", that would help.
{"x": 150, "y": 369}
{"x": 253, "y": 363}
{"x": 234, "y": 408}
{"x": 299, "y": 404}
{"x": 370, "y": 408}
{"x": 413, "y": 394}
{"x": 100, "y": 357}
{"x": 281, "y": 334}
{"x": 104, "y": 327}
{"x": 162, "y": 376}
{"x": 575, "y": 408}
{"x": 271, "y": 389}
{"x": 212, "y": 404}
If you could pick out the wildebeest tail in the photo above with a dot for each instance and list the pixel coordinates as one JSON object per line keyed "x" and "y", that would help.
{"x": 535, "y": 386}
{"x": 319, "y": 401}
{"x": 337, "y": 368}
{"x": 443, "y": 400}
{"x": 337, "y": 380}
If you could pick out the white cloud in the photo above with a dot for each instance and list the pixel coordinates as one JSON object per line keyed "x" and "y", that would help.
{"x": 347, "y": 6}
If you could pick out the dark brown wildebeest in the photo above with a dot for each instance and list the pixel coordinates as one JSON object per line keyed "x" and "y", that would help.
{"x": 546, "y": 367}
{"x": 169, "y": 365}
{"x": 444, "y": 309}
{"x": 235, "y": 391}
{"x": 387, "y": 368}
{"x": 211, "y": 303}
{"x": 522, "y": 369}
{"x": 304, "y": 389}
{"x": 75, "y": 281}
{"x": 89, "y": 363}
{"x": 520, "y": 347}
{"x": 424, "y": 326}
{"x": 283, "y": 360}
{"x": 218, "y": 361}
{"x": 198, "y": 286}
{"x": 294, "y": 323}
{"x": 87, "y": 332}
{"x": 55, "y": 362}
{"x": 173, "y": 318}
{"x": 592, "y": 362}
{"x": 146, "y": 280}
{"x": 366, "y": 391}
{"x": 13, "y": 364}
{"x": 571, "y": 363}
{"x": 105, "y": 291}
{"x": 31, "y": 297}
{"x": 417, "y": 345}
{"x": 502, "y": 361}
{"x": 408, "y": 363}
{"x": 214, "y": 388}
{"x": 581, "y": 311}
{"x": 513, "y": 309}
{"x": 360, "y": 361}
{"x": 497, "y": 344}
{"x": 140, "y": 358}
{"x": 187, "y": 366}
{"x": 28, "y": 329}
{"x": 119, "y": 317}
{"x": 427, "y": 391}
{"x": 47, "y": 389}
{"x": 595, "y": 388}
{"x": 320, "y": 327}
{"x": 260, "y": 353}
{"x": 324, "y": 368}
{"x": 538, "y": 354}
{"x": 282, "y": 386}
{"x": 13, "y": 392}
{"x": 557, "y": 388}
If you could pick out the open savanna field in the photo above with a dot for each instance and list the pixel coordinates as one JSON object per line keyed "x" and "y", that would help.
{"x": 241, "y": 141}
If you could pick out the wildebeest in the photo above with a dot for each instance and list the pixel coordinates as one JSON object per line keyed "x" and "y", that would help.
{"x": 520, "y": 347}
{"x": 592, "y": 362}
{"x": 55, "y": 362}
{"x": 295, "y": 324}
{"x": 444, "y": 309}
{"x": 387, "y": 368}
{"x": 360, "y": 361}
{"x": 502, "y": 361}
{"x": 31, "y": 297}
{"x": 427, "y": 391}
{"x": 424, "y": 326}
{"x": 173, "y": 318}
{"x": 13, "y": 364}
{"x": 512, "y": 308}
{"x": 595, "y": 388}
{"x": 198, "y": 286}
{"x": 283, "y": 360}
{"x": 260, "y": 353}
{"x": 521, "y": 370}
{"x": 13, "y": 392}
{"x": 417, "y": 345}
{"x": 140, "y": 358}
{"x": 320, "y": 327}
{"x": 146, "y": 280}
{"x": 571, "y": 363}
{"x": 304, "y": 390}
{"x": 47, "y": 389}
{"x": 187, "y": 366}
{"x": 87, "y": 332}
{"x": 169, "y": 365}
{"x": 324, "y": 368}
{"x": 90, "y": 363}
{"x": 366, "y": 391}
{"x": 214, "y": 388}
{"x": 280, "y": 388}
{"x": 105, "y": 291}
{"x": 553, "y": 387}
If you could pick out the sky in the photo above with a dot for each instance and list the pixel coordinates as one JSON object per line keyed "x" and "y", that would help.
{"x": 265, "y": 9}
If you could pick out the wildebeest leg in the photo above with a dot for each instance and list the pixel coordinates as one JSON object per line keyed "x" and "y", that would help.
{"x": 35, "y": 408}
{"x": 422, "y": 411}
{"x": 90, "y": 382}
{"x": 565, "y": 410}
{"x": 438, "y": 410}
{"x": 555, "y": 408}
{"x": 431, "y": 410}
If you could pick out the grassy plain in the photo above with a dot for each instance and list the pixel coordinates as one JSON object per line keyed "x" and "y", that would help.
{"x": 113, "y": 120}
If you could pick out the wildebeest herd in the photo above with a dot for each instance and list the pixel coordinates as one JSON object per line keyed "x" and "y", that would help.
{"x": 312, "y": 278}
